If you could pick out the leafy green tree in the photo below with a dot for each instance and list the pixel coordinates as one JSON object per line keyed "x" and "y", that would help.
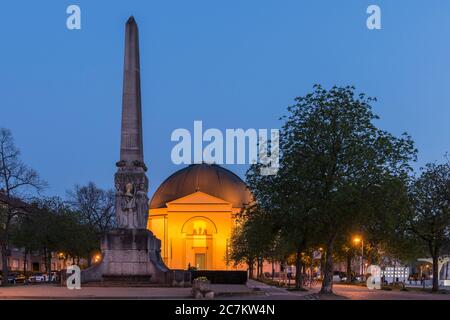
{"x": 346, "y": 253}
{"x": 284, "y": 200}
{"x": 240, "y": 252}
{"x": 332, "y": 156}
{"x": 387, "y": 211}
{"x": 429, "y": 219}
{"x": 23, "y": 236}
{"x": 383, "y": 224}
{"x": 252, "y": 239}
{"x": 51, "y": 227}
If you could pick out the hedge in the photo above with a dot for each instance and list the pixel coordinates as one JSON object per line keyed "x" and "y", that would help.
{"x": 221, "y": 276}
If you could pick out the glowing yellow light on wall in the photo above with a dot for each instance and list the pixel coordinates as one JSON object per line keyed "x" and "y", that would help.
{"x": 200, "y": 228}
{"x": 199, "y": 232}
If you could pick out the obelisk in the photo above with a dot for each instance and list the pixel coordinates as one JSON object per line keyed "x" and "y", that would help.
{"x": 130, "y": 179}
{"x": 130, "y": 253}
{"x": 131, "y": 149}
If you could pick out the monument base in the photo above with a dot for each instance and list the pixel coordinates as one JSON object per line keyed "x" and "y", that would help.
{"x": 129, "y": 255}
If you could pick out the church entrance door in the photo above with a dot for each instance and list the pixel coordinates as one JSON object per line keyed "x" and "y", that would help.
{"x": 200, "y": 261}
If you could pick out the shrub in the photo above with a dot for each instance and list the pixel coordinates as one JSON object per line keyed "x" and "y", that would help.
{"x": 221, "y": 276}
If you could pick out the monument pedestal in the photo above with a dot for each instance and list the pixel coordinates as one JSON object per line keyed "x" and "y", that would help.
{"x": 129, "y": 255}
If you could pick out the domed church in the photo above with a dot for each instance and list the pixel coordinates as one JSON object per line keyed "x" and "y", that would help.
{"x": 193, "y": 213}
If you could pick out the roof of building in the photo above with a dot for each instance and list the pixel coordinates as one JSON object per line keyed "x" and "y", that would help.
{"x": 13, "y": 202}
{"x": 208, "y": 178}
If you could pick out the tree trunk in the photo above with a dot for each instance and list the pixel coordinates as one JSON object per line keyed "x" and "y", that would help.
{"x": 25, "y": 262}
{"x": 89, "y": 262}
{"x": 258, "y": 275}
{"x": 349, "y": 268}
{"x": 261, "y": 267}
{"x": 48, "y": 264}
{"x": 394, "y": 279}
{"x": 250, "y": 269}
{"x": 4, "y": 263}
{"x": 446, "y": 270}
{"x": 298, "y": 270}
{"x": 435, "y": 273}
{"x": 322, "y": 264}
{"x": 327, "y": 283}
{"x": 273, "y": 268}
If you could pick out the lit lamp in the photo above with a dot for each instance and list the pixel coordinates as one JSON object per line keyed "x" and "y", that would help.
{"x": 358, "y": 240}
{"x": 97, "y": 258}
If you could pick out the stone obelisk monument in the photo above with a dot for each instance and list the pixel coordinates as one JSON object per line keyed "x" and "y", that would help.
{"x": 130, "y": 253}
{"x": 130, "y": 180}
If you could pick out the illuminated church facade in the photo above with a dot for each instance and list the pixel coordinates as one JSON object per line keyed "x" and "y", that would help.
{"x": 193, "y": 213}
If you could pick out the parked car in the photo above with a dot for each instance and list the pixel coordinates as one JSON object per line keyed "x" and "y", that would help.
{"x": 338, "y": 276}
{"x": 12, "y": 277}
{"x": 38, "y": 277}
{"x": 20, "y": 278}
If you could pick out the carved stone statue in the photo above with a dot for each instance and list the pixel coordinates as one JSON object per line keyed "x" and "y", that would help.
{"x": 142, "y": 206}
{"x": 132, "y": 200}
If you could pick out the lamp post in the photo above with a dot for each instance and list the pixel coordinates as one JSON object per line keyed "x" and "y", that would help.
{"x": 357, "y": 240}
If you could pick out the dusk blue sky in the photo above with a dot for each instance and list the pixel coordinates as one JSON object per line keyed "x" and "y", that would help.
{"x": 231, "y": 64}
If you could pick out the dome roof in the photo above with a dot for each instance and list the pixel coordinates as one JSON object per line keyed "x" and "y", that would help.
{"x": 208, "y": 178}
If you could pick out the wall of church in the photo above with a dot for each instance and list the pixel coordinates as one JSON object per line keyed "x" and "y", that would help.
{"x": 196, "y": 239}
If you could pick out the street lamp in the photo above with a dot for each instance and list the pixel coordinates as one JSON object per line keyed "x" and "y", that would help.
{"x": 97, "y": 258}
{"x": 358, "y": 240}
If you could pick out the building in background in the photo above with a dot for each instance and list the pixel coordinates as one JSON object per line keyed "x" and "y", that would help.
{"x": 193, "y": 213}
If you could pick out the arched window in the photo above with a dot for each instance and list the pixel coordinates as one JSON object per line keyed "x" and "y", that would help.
{"x": 199, "y": 226}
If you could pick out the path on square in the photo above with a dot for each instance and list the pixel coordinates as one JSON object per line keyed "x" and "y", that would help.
{"x": 44, "y": 291}
{"x": 57, "y": 292}
{"x": 362, "y": 293}
{"x": 343, "y": 292}
{"x": 254, "y": 290}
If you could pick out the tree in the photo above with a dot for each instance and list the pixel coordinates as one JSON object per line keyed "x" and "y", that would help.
{"x": 51, "y": 227}
{"x": 95, "y": 206}
{"x": 333, "y": 156}
{"x": 429, "y": 218}
{"x": 251, "y": 239}
{"x": 240, "y": 251}
{"x": 284, "y": 200}
{"x": 17, "y": 182}
{"x": 23, "y": 236}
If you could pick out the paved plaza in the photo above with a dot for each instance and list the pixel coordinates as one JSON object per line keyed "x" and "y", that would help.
{"x": 252, "y": 291}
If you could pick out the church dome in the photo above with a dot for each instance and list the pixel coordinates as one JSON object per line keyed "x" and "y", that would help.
{"x": 208, "y": 178}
